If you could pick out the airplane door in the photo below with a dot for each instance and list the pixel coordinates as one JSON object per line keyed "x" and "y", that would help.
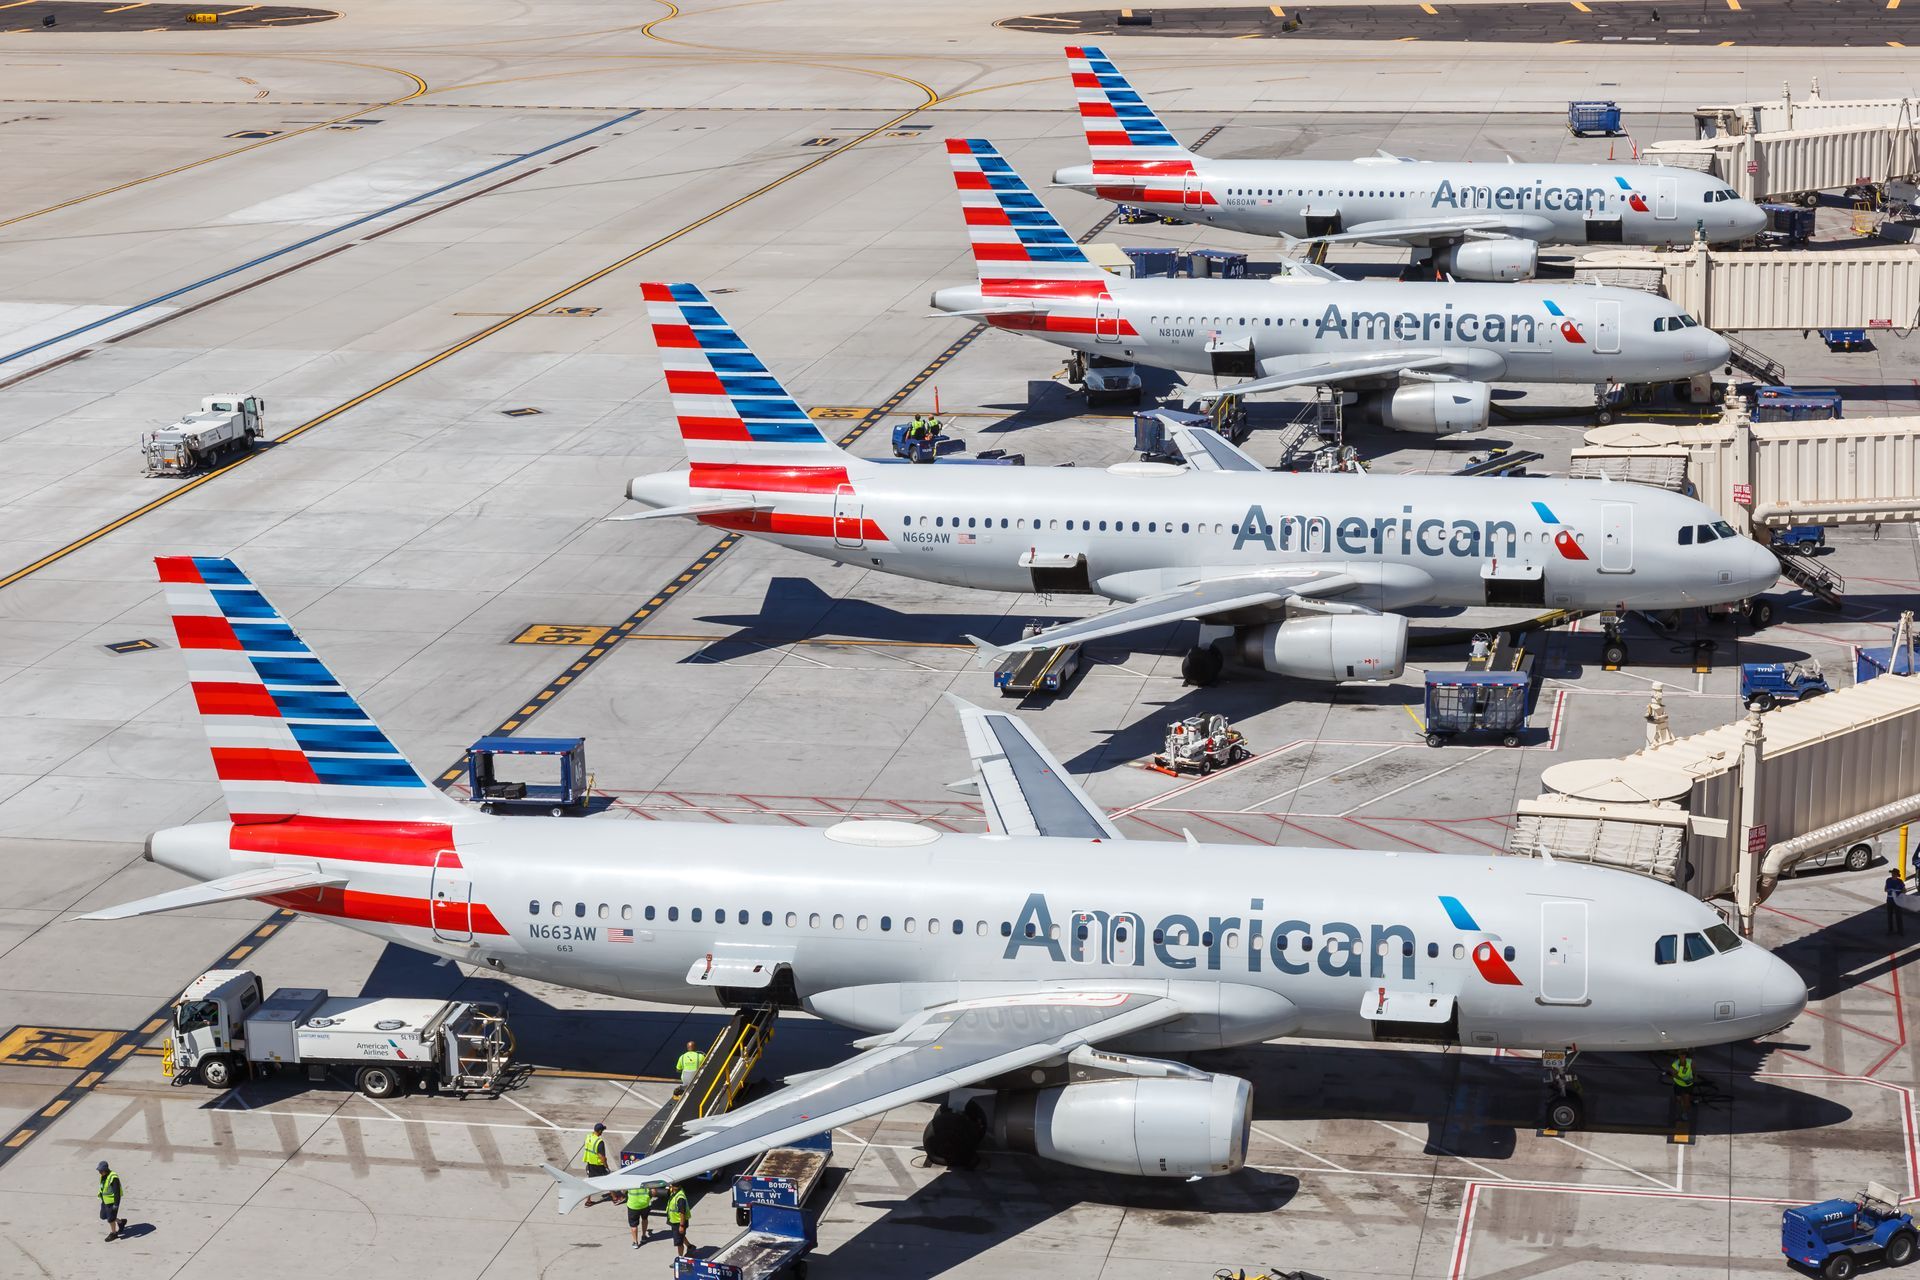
{"x": 1616, "y": 537}
{"x": 1563, "y": 953}
{"x": 1106, "y": 321}
{"x": 1666, "y": 199}
{"x": 450, "y": 910}
{"x": 849, "y": 518}
{"x": 1193, "y": 192}
{"x": 1607, "y": 340}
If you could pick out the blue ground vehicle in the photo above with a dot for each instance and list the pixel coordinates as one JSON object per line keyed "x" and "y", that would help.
{"x": 573, "y": 791}
{"x": 1765, "y": 685}
{"x": 1804, "y": 539}
{"x": 1835, "y": 1236}
{"x": 1592, "y": 116}
{"x": 924, "y": 450}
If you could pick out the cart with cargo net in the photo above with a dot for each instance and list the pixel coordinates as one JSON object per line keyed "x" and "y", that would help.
{"x": 1490, "y": 702}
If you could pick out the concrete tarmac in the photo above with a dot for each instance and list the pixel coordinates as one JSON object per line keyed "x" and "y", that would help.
{"x": 429, "y": 266}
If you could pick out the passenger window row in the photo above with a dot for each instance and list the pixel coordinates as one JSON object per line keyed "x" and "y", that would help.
{"x": 698, "y": 915}
{"x": 1085, "y": 526}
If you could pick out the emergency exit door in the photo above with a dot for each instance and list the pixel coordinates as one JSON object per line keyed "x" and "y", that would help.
{"x": 1563, "y": 953}
{"x": 450, "y": 909}
{"x": 849, "y": 518}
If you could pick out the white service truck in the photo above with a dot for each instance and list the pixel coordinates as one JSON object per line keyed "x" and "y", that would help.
{"x": 222, "y": 1025}
{"x": 225, "y": 427}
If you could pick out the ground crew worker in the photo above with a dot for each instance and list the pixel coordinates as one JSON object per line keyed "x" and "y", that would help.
{"x": 1680, "y": 1074}
{"x": 1895, "y": 886}
{"x": 677, "y": 1219}
{"x": 639, "y": 1209}
{"x": 594, "y": 1156}
{"x": 688, "y": 1065}
{"x": 112, "y": 1201}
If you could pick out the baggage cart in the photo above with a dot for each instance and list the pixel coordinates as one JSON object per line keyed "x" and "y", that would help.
{"x": 572, "y": 792}
{"x": 1593, "y": 116}
{"x": 1839, "y": 340}
{"x": 782, "y": 1176}
{"x": 1490, "y": 702}
{"x": 1037, "y": 670}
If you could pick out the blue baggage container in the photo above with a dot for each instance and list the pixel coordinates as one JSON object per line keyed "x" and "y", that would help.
{"x": 1885, "y": 660}
{"x": 1593, "y": 116}
{"x": 1844, "y": 339}
{"x": 1151, "y": 262}
{"x": 1219, "y": 264}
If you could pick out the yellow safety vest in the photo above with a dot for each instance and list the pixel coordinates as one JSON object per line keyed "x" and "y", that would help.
{"x": 677, "y": 1207}
{"x": 110, "y": 1189}
{"x": 639, "y": 1198}
{"x": 1682, "y": 1073}
{"x": 596, "y": 1152}
{"x": 690, "y": 1061}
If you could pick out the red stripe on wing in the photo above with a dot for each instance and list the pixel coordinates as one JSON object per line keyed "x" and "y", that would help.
{"x": 261, "y": 764}
{"x": 404, "y": 844}
{"x": 200, "y": 631}
{"x": 769, "y": 479}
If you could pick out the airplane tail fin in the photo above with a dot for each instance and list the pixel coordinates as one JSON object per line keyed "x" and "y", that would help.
{"x": 287, "y": 739}
{"x": 741, "y": 427}
{"x": 1013, "y": 235}
{"x": 1122, "y": 132}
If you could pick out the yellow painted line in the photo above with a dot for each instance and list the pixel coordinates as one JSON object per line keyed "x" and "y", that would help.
{"x": 21, "y": 1138}
{"x": 123, "y": 8}
{"x": 1406, "y": 39}
{"x": 604, "y": 1075}
{"x": 239, "y": 953}
{"x": 1416, "y": 719}
{"x": 1893, "y": 4}
{"x": 55, "y": 1107}
{"x": 1895, "y": 44}
{"x": 1251, "y": 35}
{"x": 1734, "y": 5}
{"x": 1566, "y": 42}
{"x": 15, "y": 4}
{"x": 1581, "y": 7}
{"x": 1276, "y": 10}
{"x": 93, "y": 1078}
{"x": 1429, "y": 8}
{"x": 153, "y": 1026}
{"x": 1726, "y": 44}
{"x": 120, "y": 1053}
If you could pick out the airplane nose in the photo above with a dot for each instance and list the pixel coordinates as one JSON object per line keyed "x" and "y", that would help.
{"x": 1761, "y": 568}
{"x": 1718, "y": 349}
{"x": 1077, "y": 175}
{"x": 1782, "y": 993}
{"x": 1749, "y": 220}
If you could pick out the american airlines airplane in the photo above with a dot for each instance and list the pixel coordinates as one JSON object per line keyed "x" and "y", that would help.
{"x": 1297, "y": 574}
{"x": 1470, "y": 220}
{"x": 1419, "y": 353}
{"x": 1016, "y": 977}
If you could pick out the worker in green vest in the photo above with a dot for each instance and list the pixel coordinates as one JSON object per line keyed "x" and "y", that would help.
{"x": 688, "y": 1065}
{"x": 112, "y": 1200}
{"x": 594, "y": 1156}
{"x": 1680, "y": 1075}
{"x": 639, "y": 1209}
{"x": 677, "y": 1220}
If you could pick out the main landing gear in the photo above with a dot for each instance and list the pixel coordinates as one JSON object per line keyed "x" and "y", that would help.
{"x": 1565, "y": 1107}
{"x": 952, "y": 1138}
{"x": 1202, "y": 666}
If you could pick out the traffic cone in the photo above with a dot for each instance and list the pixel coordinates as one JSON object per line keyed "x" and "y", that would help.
{"x": 1609, "y": 150}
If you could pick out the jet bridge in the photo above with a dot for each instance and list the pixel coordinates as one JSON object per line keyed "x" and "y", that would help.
{"x": 1723, "y": 814}
{"x": 1870, "y": 288}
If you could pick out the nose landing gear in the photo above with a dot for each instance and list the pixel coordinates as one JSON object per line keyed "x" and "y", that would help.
{"x": 1566, "y": 1109}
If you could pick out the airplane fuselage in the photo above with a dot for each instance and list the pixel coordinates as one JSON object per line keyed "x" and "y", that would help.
{"x": 877, "y": 920}
{"x": 1138, "y": 529}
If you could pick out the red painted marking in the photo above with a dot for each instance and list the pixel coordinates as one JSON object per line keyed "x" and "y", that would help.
{"x": 1466, "y": 1230}
{"x": 1143, "y": 168}
{"x": 1075, "y": 51}
{"x": 983, "y": 216}
{"x": 261, "y": 764}
{"x": 1449, "y": 829}
{"x": 708, "y": 475}
{"x": 177, "y": 569}
{"x": 1571, "y": 332}
{"x": 401, "y": 844}
{"x": 987, "y": 251}
{"x": 713, "y": 429}
{"x": 1492, "y": 967}
{"x": 1134, "y": 817}
{"x": 694, "y": 382}
{"x": 674, "y": 335}
{"x": 1841, "y": 1022}
{"x": 1085, "y": 80}
{"x": 220, "y": 698}
{"x": 1564, "y": 543}
{"x": 1391, "y": 836}
{"x": 201, "y": 631}
{"x": 970, "y": 180}
{"x": 656, "y": 293}
{"x": 1101, "y": 110}
{"x": 804, "y": 526}
{"x": 1015, "y": 288}
{"x": 385, "y": 908}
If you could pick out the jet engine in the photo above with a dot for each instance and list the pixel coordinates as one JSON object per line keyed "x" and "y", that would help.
{"x": 1438, "y": 408}
{"x": 1343, "y": 646}
{"x": 1175, "y": 1128}
{"x": 1503, "y": 259}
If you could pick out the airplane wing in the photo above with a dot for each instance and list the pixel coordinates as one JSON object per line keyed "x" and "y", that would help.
{"x": 246, "y": 884}
{"x": 716, "y": 507}
{"x": 1201, "y": 599}
{"x": 1463, "y": 224}
{"x": 934, "y": 1052}
{"x": 1210, "y": 451}
{"x": 1026, "y": 791}
{"x": 1304, "y": 371}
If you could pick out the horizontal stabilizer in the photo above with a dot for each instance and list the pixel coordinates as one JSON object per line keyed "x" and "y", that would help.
{"x": 985, "y": 313}
{"x": 572, "y": 1191}
{"x": 247, "y": 884}
{"x": 694, "y": 510}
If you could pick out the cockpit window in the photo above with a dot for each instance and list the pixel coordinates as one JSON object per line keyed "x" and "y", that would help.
{"x": 1686, "y": 535}
{"x": 1698, "y": 947}
{"x": 1723, "y": 938}
{"x": 1705, "y": 533}
{"x": 1665, "y": 949}
{"x": 1688, "y": 322}
{"x": 1724, "y": 529}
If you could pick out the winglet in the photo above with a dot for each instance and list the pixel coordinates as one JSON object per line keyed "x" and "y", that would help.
{"x": 571, "y": 1191}
{"x": 983, "y": 653}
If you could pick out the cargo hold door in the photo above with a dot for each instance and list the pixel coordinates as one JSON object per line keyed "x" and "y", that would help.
{"x": 450, "y": 909}
{"x": 1563, "y": 953}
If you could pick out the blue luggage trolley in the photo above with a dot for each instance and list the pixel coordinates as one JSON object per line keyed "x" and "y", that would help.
{"x": 1590, "y": 116}
{"x": 573, "y": 791}
{"x": 1493, "y": 702}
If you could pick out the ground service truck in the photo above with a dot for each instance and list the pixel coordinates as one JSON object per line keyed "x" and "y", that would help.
{"x": 224, "y": 428}
{"x": 222, "y": 1027}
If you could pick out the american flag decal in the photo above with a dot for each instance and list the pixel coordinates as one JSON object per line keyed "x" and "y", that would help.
{"x": 619, "y": 935}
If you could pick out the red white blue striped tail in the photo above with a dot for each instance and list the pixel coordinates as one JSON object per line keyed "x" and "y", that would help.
{"x": 287, "y": 739}
{"x": 1013, "y": 235}
{"x": 1122, "y": 132}
{"x": 731, "y": 408}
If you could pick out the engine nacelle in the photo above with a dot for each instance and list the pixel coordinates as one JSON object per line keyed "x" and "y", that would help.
{"x": 1345, "y": 646}
{"x": 1430, "y": 408}
{"x": 1503, "y": 259}
{"x": 1179, "y": 1128}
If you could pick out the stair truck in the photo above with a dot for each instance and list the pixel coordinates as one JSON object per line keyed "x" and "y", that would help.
{"x": 386, "y": 1045}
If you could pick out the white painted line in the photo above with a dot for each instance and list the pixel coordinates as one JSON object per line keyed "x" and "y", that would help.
{"x": 1495, "y": 1173}
{"x": 1262, "y": 804}
{"x": 1274, "y": 1137}
{"x": 529, "y": 1110}
{"x": 1624, "y": 1168}
{"x": 1417, "y": 781}
{"x": 375, "y": 1102}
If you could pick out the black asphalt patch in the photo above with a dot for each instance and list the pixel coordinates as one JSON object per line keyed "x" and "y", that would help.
{"x": 1777, "y": 23}
{"x": 69, "y": 16}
